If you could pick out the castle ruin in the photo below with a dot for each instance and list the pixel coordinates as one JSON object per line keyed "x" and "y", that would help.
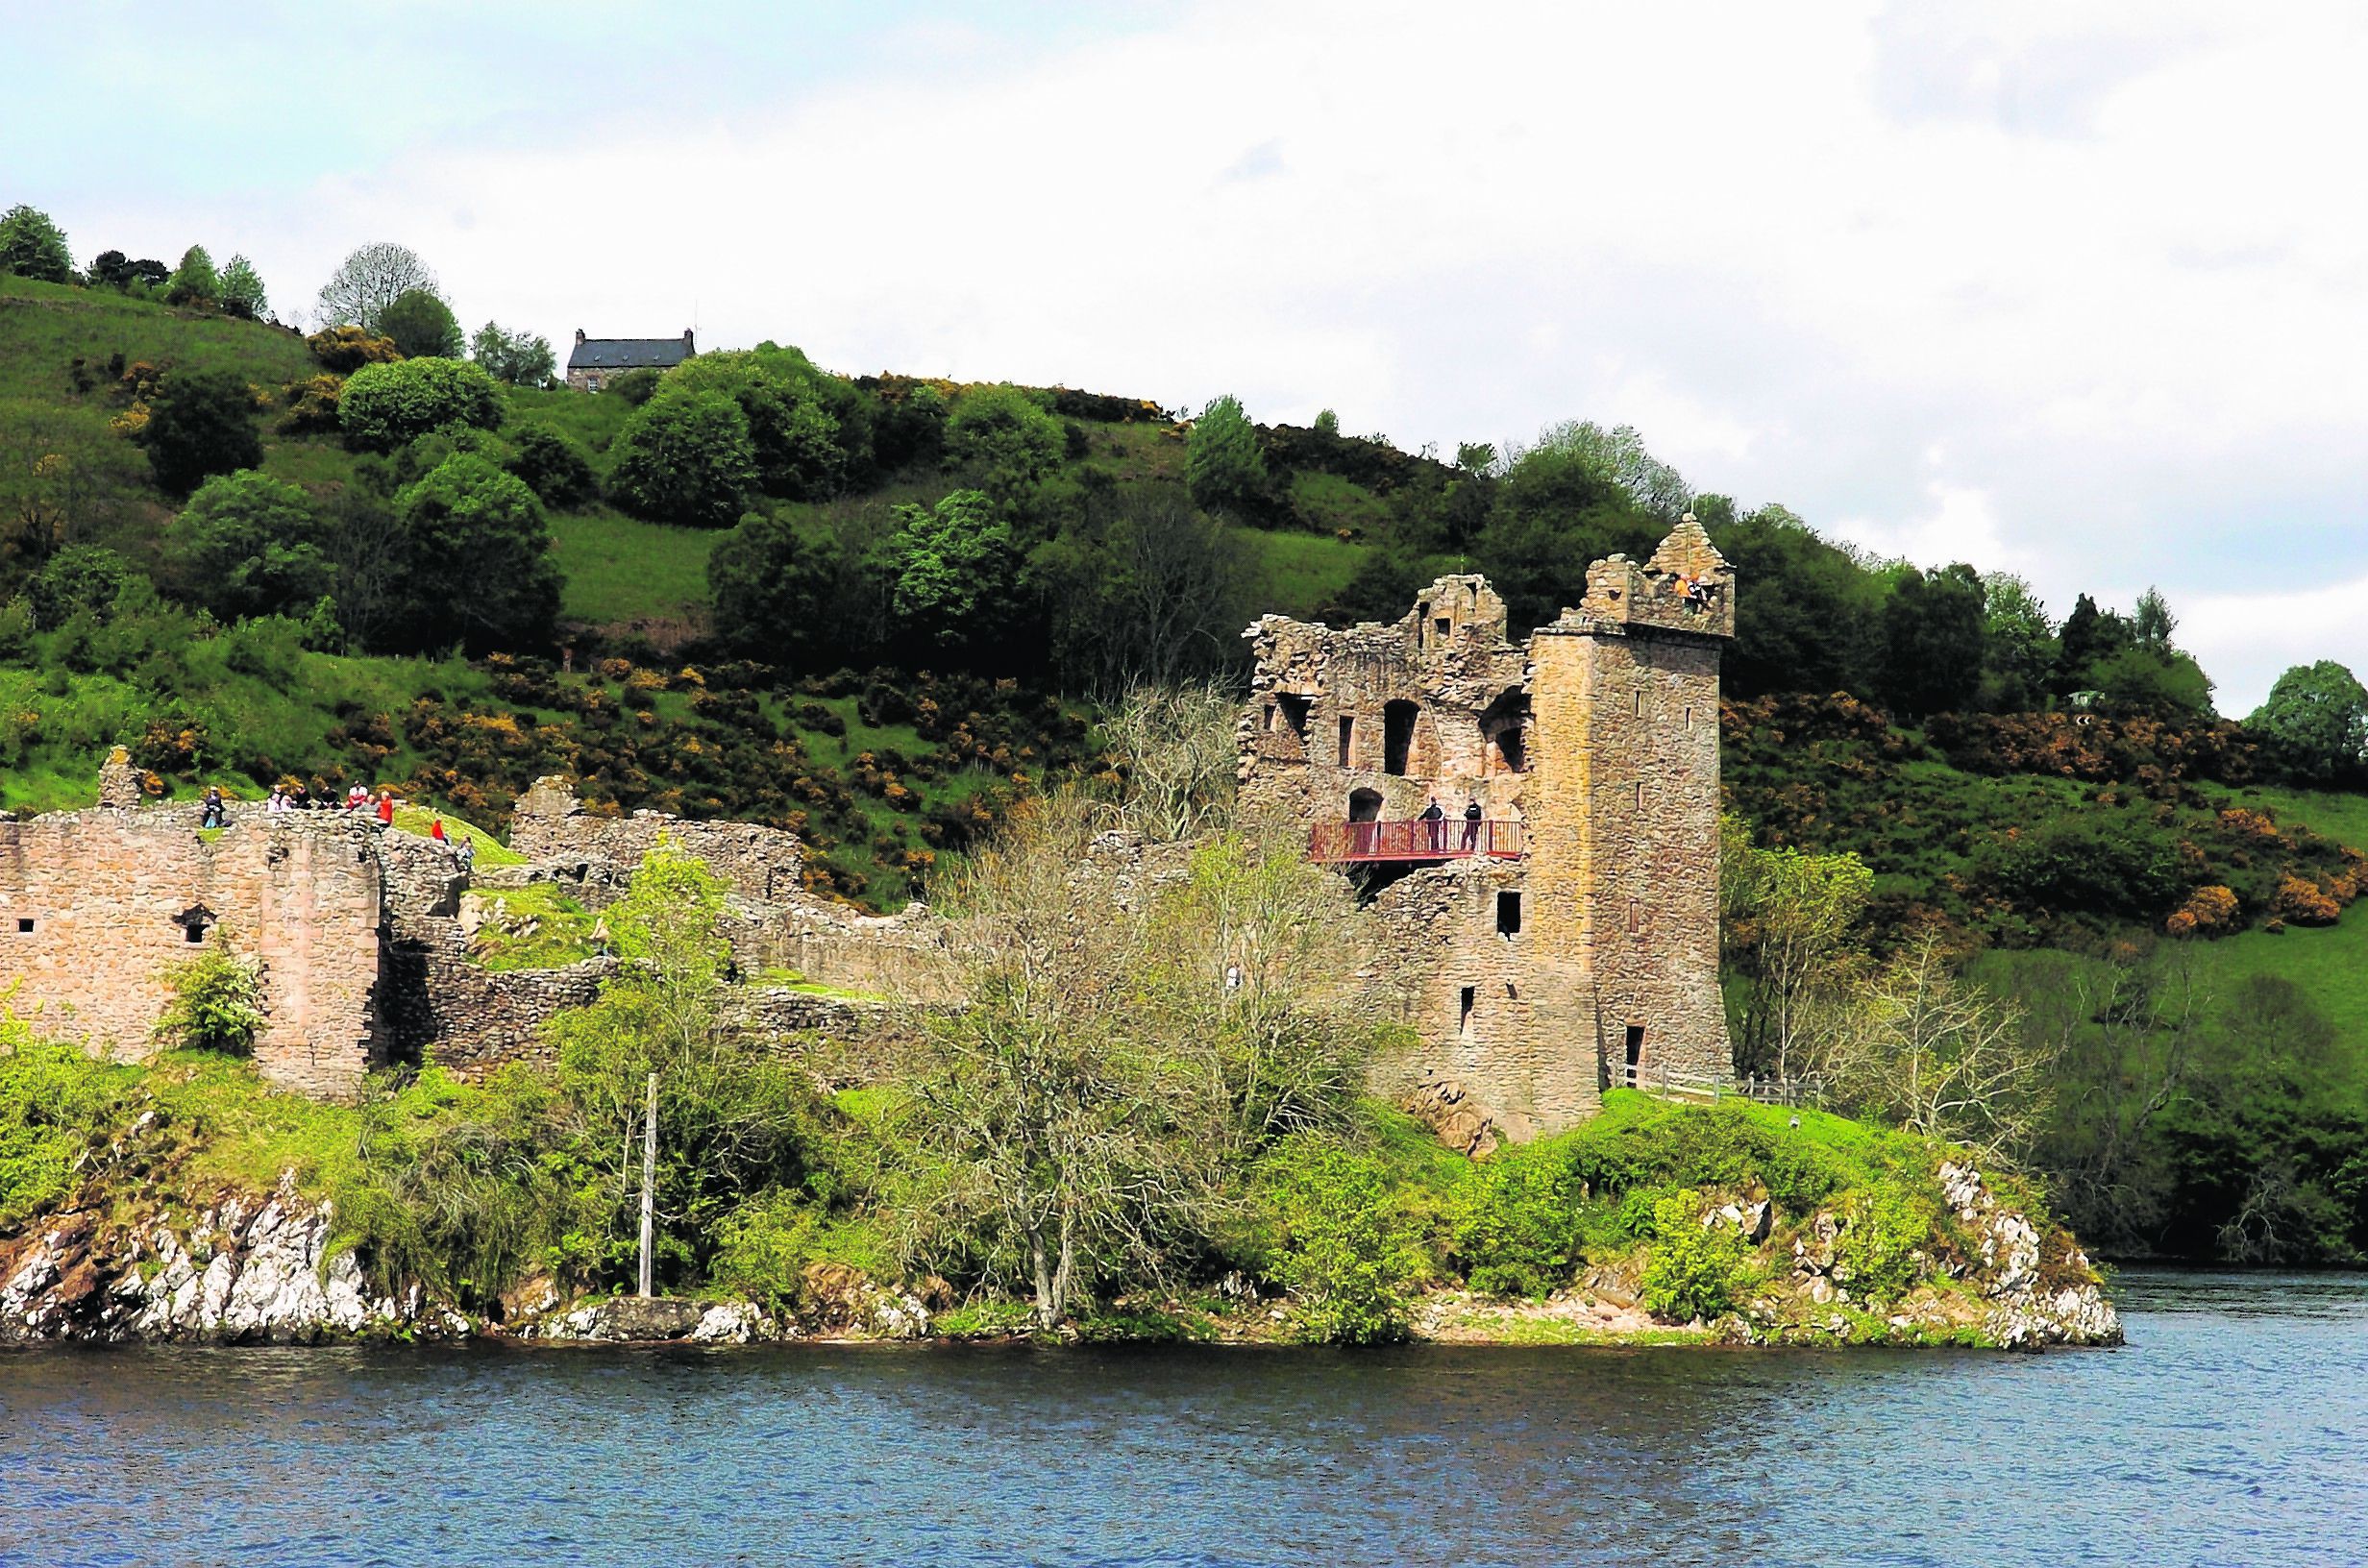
{"x": 1566, "y": 940}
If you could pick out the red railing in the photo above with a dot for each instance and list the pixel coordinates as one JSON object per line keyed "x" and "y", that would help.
{"x": 1452, "y": 838}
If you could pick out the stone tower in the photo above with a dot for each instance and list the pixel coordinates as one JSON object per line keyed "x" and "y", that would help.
{"x": 1567, "y": 941}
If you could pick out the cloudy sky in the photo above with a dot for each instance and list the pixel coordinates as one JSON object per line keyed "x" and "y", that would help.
{"x": 2075, "y": 290}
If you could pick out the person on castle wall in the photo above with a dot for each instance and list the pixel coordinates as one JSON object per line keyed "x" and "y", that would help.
{"x": 1472, "y": 824}
{"x": 278, "y": 805}
{"x": 357, "y": 798}
{"x": 435, "y": 831}
{"x": 213, "y": 814}
{"x": 386, "y": 808}
{"x": 1435, "y": 832}
{"x": 464, "y": 856}
{"x": 299, "y": 798}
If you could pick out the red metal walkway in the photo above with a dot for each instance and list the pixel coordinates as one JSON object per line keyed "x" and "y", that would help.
{"x": 1449, "y": 839}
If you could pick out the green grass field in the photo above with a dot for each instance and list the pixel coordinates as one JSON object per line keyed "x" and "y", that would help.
{"x": 1296, "y": 572}
{"x": 621, "y": 570}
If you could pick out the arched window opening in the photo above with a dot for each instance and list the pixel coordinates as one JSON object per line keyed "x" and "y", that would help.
{"x": 1365, "y": 805}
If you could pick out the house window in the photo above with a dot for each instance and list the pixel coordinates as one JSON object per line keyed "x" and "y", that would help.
{"x": 1507, "y": 914}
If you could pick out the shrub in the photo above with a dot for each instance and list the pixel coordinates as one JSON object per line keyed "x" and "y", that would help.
{"x": 312, "y": 406}
{"x": 2208, "y": 912}
{"x": 686, "y": 460}
{"x": 217, "y": 1002}
{"x": 636, "y": 386}
{"x": 1696, "y": 1271}
{"x": 79, "y": 579}
{"x": 1517, "y": 1223}
{"x": 384, "y": 404}
{"x": 1009, "y": 437}
{"x": 1350, "y": 1254}
{"x": 1875, "y": 1255}
{"x": 553, "y": 467}
{"x": 520, "y": 358}
{"x": 345, "y": 349}
{"x": 2303, "y": 903}
{"x": 51, "y": 1095}
{"x": 202, "y": 423}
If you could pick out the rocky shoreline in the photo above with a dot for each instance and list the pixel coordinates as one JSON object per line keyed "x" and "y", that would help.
{"x": 261, "y": 1268}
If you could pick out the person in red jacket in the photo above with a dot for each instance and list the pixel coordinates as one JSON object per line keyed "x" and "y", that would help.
{"x": 386, "y": 808}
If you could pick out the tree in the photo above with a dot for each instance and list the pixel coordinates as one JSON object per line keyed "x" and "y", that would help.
{"x": 2021, "y": 645}
{"x": 421, "y": 325}
{"x": 117, "y": 271}
{"x": 1147, "y": 590}
{"x": 1810, "y": 621}
{"x": 63, "y": 470}
{"x": 1933, "y": 640}
{"x": 1557, "y": 511}
{"x": 1618, "y": 457}
{"x": 1008, "y": 439}
{"x": 554, "y": 466}
{"x": 201, "y": 423}
{"x": 771, "y": 592}
{"x": 2315, "y": 724}
{"x": 1224, "y": 469}
{"x": 32, "y": 246}
{"x": 77, "y": 579}
{"x": 1475, "y": 456}
{"x": 247, "y": 545}
{"x": 686, "y": 458}
{"x": 1941, "y": 1057}
{"x": 479, "y": 568}
{"x": 368, "y": 280}
{"x": 804, "y": 448}
{"x": 385, "y": 406}
{"x": 242, "y": 290}
{"x": 1786, "y": 919}
{"x": 520, "y": 358}
{"x": 194, "y": 281}
{"x": 957, "y": 572}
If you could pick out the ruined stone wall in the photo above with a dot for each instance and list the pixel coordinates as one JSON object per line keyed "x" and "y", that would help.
{"x": 762, "y": 864}
{"x": 95, "y": 906}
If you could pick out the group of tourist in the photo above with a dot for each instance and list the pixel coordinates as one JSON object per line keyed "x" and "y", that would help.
{"x": 1435, "y": 818}
{"x": 214, "y": 812}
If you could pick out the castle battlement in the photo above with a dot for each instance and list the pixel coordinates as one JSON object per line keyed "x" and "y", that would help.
{"x": 1567, "y": 938}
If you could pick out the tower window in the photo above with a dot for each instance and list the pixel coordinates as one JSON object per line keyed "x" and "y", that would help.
{"x": 24, "y": 925}
{"x": 1444, "y": 626}
{"x": 1640, "y": 702}
{"x": 1471, "y": 995}
{"x": 1397, "y": 735}
{"x": 1295, "y": 712}
{"x": 1635, "y": 1051}
{"x": 1639, "y": 795}
{"x": 1507, "y": 914}
{"x": 1270, "y": 718}
{"x": 1348, "y": 740}
{"x": 1636, "y": 915}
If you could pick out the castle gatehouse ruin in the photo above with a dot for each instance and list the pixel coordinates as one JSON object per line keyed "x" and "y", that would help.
{"x": 1556, "y": 921}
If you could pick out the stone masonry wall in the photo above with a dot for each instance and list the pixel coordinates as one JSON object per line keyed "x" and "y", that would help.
{"x": 96, "y": 906}
{"x": 762, "y": 864}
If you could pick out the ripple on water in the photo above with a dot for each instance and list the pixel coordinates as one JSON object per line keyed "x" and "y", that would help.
{"x": 2233, "y": 1429}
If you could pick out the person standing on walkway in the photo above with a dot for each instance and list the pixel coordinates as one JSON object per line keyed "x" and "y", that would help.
{"x": 1434, "y": 819}
{"x": 1472, "y": 824}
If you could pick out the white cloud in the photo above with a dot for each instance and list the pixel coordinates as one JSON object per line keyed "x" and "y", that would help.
{"x": 2099, "y": 258}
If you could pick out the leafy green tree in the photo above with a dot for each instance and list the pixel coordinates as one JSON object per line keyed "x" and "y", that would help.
{"x": 478, "y": 569}
{"x": 385, "y": 406}
{"x": 1008, "y": 439}
{"x": 369, "y": 280}
{"x": 194, "y": 281}
{"x": 1475, "y": 456}
{"x": 1809, "y": 623}
{"x": 243, "y": 289}
{"x": 1616, "y": 456}
{"x": 32, "y": 246}
{"x": 2021, "y": 645}
{"x": 1557, "y": 511}
{"x": 53, "y": 1097}
{"x": 957, "y": 572}
{"x": 201, "y": 423}
{"x": 1144, "y": 590}
{"x": 686, "y": 458}
{"x": 2315, "y": 724}
{"x": 247, "y": 545}
{"x": 771, "y": 592}
{"x": 421, "y": 325}
{"x": 2153, "y": 682}
{"x": 1224, "y": 469}
{"x": 1786, "y": 921}
{"x": 554, "y": 466}
{"x": 803, "y": 427}
{"x": 1933, "y": 640}
{"x": 520, "y": 358}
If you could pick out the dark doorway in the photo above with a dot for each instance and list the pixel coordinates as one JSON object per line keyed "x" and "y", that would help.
{"x": 1397, "y": 735}
{"x": 1365, "y": 805}
{"x": 1507, "y": 914}
{"x": 1635, "y": 1051}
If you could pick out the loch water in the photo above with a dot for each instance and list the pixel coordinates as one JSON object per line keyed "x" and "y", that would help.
{"x": 2233, "y": 1428}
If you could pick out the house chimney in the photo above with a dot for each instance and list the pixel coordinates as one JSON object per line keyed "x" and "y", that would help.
{"x": 686, "y": 341}
{"x": 580, "y": 334}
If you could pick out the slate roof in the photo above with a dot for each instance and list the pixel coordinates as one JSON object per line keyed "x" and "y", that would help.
{"x": 629, "y": 354}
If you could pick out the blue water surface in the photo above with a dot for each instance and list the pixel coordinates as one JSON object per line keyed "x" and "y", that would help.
{"x": 2232, "y": 1429}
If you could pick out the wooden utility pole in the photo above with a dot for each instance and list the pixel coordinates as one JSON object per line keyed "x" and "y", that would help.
{"x": 649, "y": 1178}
